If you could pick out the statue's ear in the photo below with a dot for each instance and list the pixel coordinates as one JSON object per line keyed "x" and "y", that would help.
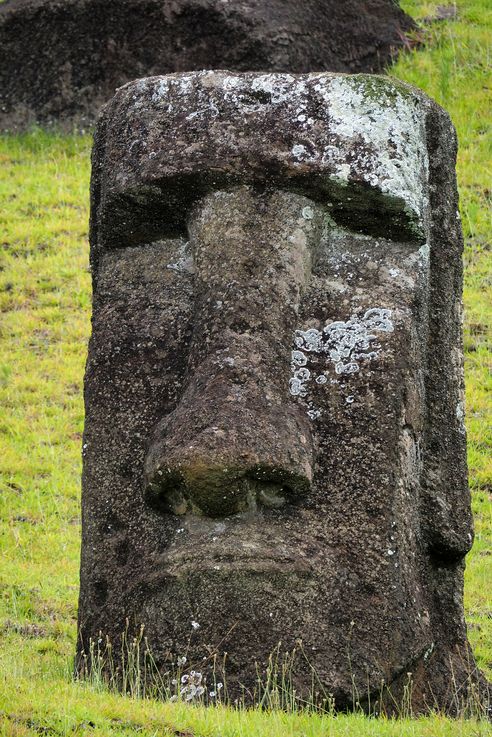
{"x": 446, "y": 509}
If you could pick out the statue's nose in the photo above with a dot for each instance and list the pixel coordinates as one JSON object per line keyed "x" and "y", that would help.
{"x": 241, "y": 460}
{"x": 236, "y": 441}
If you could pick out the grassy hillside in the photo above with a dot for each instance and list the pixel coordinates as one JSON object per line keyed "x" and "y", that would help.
{"x": 456, "y": 70}
{"x": 45, "y": 312}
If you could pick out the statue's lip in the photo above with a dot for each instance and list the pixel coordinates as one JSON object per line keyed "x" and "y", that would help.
{"x": 178, "y": 563}
{"x": 220, "y": 547}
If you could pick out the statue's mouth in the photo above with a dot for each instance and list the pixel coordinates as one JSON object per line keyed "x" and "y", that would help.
{"x": 251, "y": 542}
{"x": 182, "y": 563}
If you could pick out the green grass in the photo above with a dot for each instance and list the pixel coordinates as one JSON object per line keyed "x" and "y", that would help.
{"x": 455, "y": 69}
{"x": 45, "y": 321}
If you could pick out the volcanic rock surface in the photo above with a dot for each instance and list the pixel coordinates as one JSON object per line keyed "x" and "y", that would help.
{"x": 61, "y": 59}
{"x": 274, "y": 448}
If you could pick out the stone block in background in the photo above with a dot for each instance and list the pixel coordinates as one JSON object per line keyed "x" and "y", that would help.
{"x": 60, "y": 60}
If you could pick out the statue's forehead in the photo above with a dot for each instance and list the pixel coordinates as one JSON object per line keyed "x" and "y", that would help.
{"x": 356, "y": 141}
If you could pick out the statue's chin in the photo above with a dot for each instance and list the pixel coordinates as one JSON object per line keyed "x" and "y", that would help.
{"x": 260, "y": 599}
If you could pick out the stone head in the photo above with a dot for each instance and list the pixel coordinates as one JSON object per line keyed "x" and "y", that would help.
{"x": 274, "y": 446}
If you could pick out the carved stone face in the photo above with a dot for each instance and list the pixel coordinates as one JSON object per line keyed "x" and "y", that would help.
{"x": 269, "y": 436}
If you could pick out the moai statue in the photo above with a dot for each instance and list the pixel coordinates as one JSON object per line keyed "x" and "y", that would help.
{"x": 274, "y": 449}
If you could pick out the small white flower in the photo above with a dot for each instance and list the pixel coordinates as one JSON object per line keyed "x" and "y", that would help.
{"x": 195, "y": 625}
{"x": 181, "y": 661}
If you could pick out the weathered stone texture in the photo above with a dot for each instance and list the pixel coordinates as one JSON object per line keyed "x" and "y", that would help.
{"x": 61, "y": 59}
{"x": 274, "y": 443}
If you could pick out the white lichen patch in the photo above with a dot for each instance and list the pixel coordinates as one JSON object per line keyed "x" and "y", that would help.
{"x": 183, "y": 260}
{"x": 460, "y": 416}
{"x": 344, "y": 344}
{"x": 424, "y": 253}
{"x": 313, "y": 413}
{"x": 390, "y": 125}
{"x": 231, "y": 82}
{"x": 161, "y": 91}
{"x": 300, "y": 152}
{"x": 277, "y": 86}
